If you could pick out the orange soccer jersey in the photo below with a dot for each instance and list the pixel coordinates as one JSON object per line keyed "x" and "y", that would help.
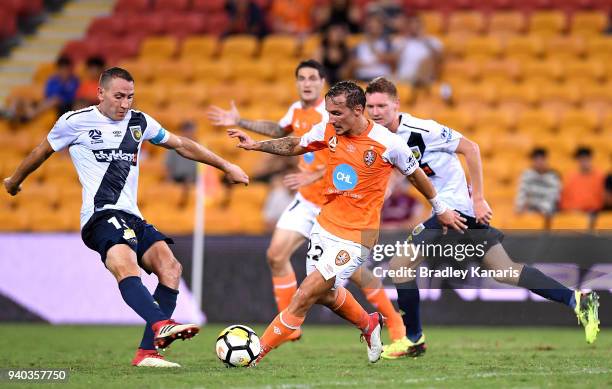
{"x": 356, "y": 177}
{"x": 299, "y": 121}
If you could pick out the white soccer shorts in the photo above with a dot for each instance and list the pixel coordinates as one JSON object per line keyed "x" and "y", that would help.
{"x": 333, "y": 256}
{"x": 299, "y": 216}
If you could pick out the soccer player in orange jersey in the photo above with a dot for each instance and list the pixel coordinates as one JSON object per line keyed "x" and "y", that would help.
{"x": 296, "y": 222}
{"x": 362, "y": 155}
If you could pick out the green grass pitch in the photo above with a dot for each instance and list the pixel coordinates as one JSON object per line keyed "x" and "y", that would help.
{"x": 327, "y": 356}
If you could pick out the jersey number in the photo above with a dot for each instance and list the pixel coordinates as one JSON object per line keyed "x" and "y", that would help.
{"x": 417, "y": 145}
{"x": 113, "y": 220}
{"x": 316, "y": 253}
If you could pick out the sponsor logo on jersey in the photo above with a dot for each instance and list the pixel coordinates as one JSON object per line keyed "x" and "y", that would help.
{"x": 342, "y": 258}
{"x": 345, "y": 177}
{"x": 446, "y": 134}
{"x": 136, "y": 132}
{"x": 350, "y": 148}
{"x": 309, "y": 157}
{"x": 332, "y": 143}
{"x": 117, "y": 133}
{"x": 369, "y": 157}
{"x": 110, "y": 155}
{"x": 96, "y": 136}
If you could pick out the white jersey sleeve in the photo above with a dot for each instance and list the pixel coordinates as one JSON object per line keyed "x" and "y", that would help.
{"x": 154, "y": 132}
{"x": 315, "y": 138}
{"x": 62, "y": 134}
{"x": 286, "y": 120}
{"x": 402, "y": 158}
{"x": 440, "y": 137}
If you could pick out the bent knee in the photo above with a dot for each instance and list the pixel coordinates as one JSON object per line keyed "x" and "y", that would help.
{"x": 276, "y": 255}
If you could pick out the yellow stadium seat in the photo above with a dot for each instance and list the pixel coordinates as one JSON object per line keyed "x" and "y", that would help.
{"x": 565, "y": 94}
{"x": 354, "y": 39}
{"x": 172, "y": 72}
{"x": 253, "y": 71}
{"x": 589, "y": 23}
{"x": 13, "y": 220}
{"x": 239, "y": 47}
{"x": 576, "y": 118}
{"x": 525, "y": 221}
{"x": 150, "y": 96}
{"x": 455, "y": 119}
{"x": 540, "y": 120}
{"x": 571, "y": 221}
{"x": 506, "y": 22}
{"x": 479, "y": 92}
{"x": 520, "y": 143}
{"x": 596, "y": 95}
{"x": 485, "y": 47}
{"x": 279, "y": 47}
{"x": 273, "y": 94}
{"x": 575, "y": 71}
{"x": 523, "y": 47}
{"x": 49, "y": 220}
{"x": 433, "y": 22}
{"x": 158, "y": 48}
{"x": 463, "y": 70}
{"x": 199, "y": 48}
{"x": 197, "y": 93}
{"x": 222, "y": 95}
{"x": 497, "y": 71}
{"x": 604, "y": 221}
{"x": 32, "y": 93}
{"x": 45, "y": 194}
{"x": 547, "y": 23}
{"x": 465, "y": 22}
{"x": 526, "y": 93}
{"x": 142, "y": 71}
{"x": 565, "y": 48}
{"x": 493, "y": 119}
{"x": 599, "y": 47}
{"x": 310, "y": 46}
{"x": 43, "y": 72}
{"x": 170, "y": 219}
{"x": 551, "y": 69}
{"x": 171, "y": 193}
{"x": 213, "y": 71}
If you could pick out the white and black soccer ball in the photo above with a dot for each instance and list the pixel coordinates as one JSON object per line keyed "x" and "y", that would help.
{"x": 237, "y": 346}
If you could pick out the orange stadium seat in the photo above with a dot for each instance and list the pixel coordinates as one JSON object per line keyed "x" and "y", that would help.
{"x": 589, "y": 23}
{"x": 279, "y": 47}
{"x": 570, "y": 221}
{"x": 158, "y": 48}
{"x": 141, "y": 70}
{"x": 500, "y": 120}
{"x": 12, "y": 220}
{"x": 170, "y": 219}
{"x": 172, "y": 72}
{"x": 579, "y": 119}
{"x": 222, "y": 95}
{"x": 433, "y": 22}
{"x": 272, "y": 94}
{"x": 536, "y": 122}
{"x": 525, "y": 221}
{"x": 456, "y": 119}
{"x": 239, "y": 47}
{"x": 591, "y": 70}
{"x": 596, "y": 96}
{"x": 523, "y": 47}
{"x": 482, "y": 93}
{"x": 599, "y": 47}
{"x": 198, "y": 48}
{"x": 213, "y": 71}
{"x": 149, "y": 97}
{"x": 173, "y": 194}
{"x": 558, "y": 96}
{"x": 551, "y": 69}
{"x": 501, "y": 70}
{"x": 516, "y": 95}
{"x": 485, "y": 47}
{"x": 197, "y": 93}
{"x": 506, "y": 22}
{"x": 354, "y": 39}
{"x": 461, "y": 70}
{"x": 547, "y": 23}
{"x": 43, "y": 72}
{"x": 466, "y": 22}
{"x": 310, "y": 45}
{"x": 602, "y": 222}
{"x": 565, "y": 48}
{"x": 254, "y": 71}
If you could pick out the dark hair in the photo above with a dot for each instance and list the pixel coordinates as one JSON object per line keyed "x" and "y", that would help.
{"x": 95, "y": 61}
{"x": 583, "y": 151}
{"x": 114, "y": 72}
{"x": 63, "y": 61}
{"x": 354, "y": 94}
{"x": 538, "y": 152}
{"x": 381, "y": 85}
{"x": 311, "y": 63}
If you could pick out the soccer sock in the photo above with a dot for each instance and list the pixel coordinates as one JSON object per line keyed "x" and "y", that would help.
{"x": 379, "y": 299}
{"x": 166, "y": 299}
{"x": 409, "y": 301}
{"x": 136, "y": 295}
{"x": 349, "y": 309}
{"x": 279, "y": 330}
{"x": 541, "y": 284}
{"x": 284, "y": 289}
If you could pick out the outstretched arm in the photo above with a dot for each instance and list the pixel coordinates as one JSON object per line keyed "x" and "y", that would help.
{"x": 190, "y": 149}
{"x": 471, "y": 151}
{"x": 32, "y": 162}
{"x": 231, "y": 118}
{"x": 289, "y": 145}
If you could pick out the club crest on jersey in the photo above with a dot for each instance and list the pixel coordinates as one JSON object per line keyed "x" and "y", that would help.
{"x": 416, "y": 153}
{"x": 332, "y": 143}
{"x": 369, "y": 157}
{"x": 342, "y": 258}
{"x": 136, "y": 132}
{"x": 96, "y": 136}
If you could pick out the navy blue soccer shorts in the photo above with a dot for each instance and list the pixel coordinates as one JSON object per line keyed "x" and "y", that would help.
{"x": 110, "y": 227}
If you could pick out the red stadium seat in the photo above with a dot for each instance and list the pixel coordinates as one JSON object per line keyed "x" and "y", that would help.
{"x": 132, "y": 6}
{"x": 107, "y": 25}
{"x": 29, "y": 7}
{"x": 208, "y": 6}
{"x": 217, "y": 23}
{"x": 171, "y": 5}
{"x": 77, "y": 50}
{"x": 8, "y": 27}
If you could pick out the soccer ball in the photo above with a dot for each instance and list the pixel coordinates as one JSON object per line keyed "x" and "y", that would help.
{"x": 237, "y": 346}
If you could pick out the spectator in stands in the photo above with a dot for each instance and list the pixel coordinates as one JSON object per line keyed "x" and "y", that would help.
{"x": 334, "y": 53}
{"x": 400, "y": 210}
{"x": 87, "y": 94}
{"x": 342, "y": 12}
{"x": 61, "y": 88}
{"x": 539, "y": 187}
{"x": 419, "y": 56}
{"x": 392, "y": 13}
{"x": 583, "y": 190}
{"x": 292, "y": 16}
{"x": 245, "y": 17}
{"x": 373, "y": 56}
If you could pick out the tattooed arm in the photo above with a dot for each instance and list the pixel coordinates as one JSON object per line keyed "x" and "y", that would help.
{"x": 231, "y": 117}
{"x": 287, "y": 146}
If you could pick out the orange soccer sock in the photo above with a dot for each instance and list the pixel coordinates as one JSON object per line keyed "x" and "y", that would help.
{"x": 284, "y": 289}
{"x": 283, "y": 325}
{"x": 349, "y": 309}
{"x": 379, "y": 299}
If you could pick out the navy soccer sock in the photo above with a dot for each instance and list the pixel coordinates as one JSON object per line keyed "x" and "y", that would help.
{"x": 541, "y": 284}
{"x": 166, "y": 298}
{"x": 136, "y": 295}
{"x": 408, "y": 301}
